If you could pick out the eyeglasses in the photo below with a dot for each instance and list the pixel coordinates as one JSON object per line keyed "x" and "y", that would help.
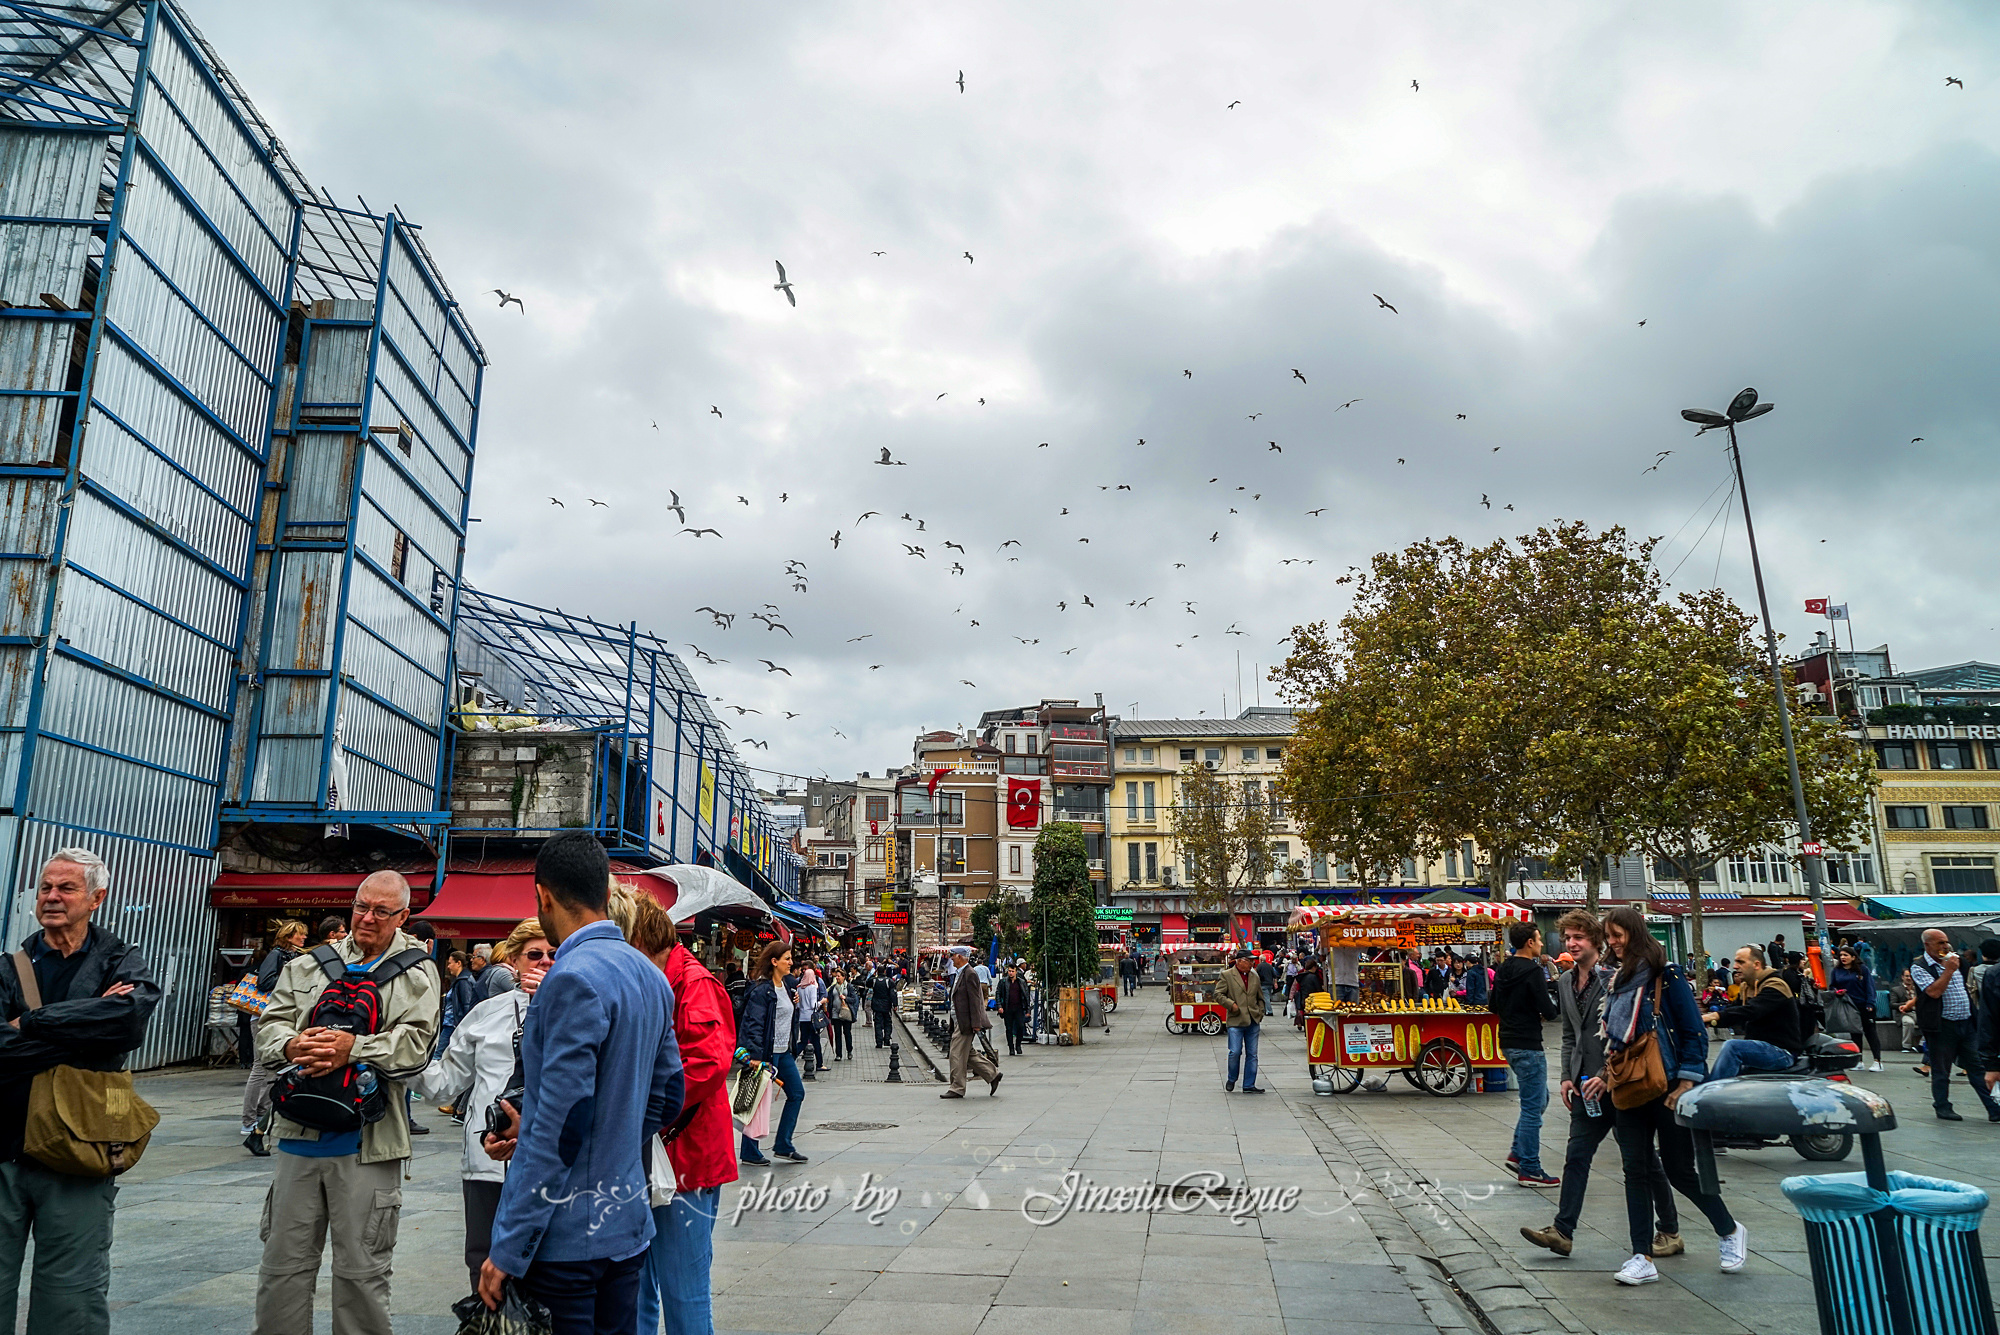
{"x": 533, "y": 955}
{"x": 361, "y": 911}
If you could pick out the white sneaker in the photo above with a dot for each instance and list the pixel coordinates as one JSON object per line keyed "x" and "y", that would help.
{"x": 1735, "y": 1249}
{"x": 1876, "y": 1067}
{"x": 1638, "y": 1270}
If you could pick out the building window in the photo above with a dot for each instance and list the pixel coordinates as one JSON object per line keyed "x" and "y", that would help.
{"x": 951, "y": 856}
{"x": 1023, "y": 765}
{"x": 825, "y": 860}
{"x": 1951, "y": 755}
{"x": 1145, "y": 755}
{"x": 1908, "y": 818}
{"x": 1034, "y": 744}
{"x": 1319, "y": 866}
{"x": 1993, "y": 755}
{"x": 1187, "y": 755}
{"x": 840, "y": 859}
{"x": 1465, "y": 851}
{"x": 1342, "y": 872}
{"x": 951, "y": 808}
{"x": 1281, "y": 855}
{"x": 1965, "y": 818}
{"x": 1131, "y": 755}
{"x": 1131, "y": 862}
{"x": 1008, "y": 742}
{"x": 1762, "y": 866}
{"x": 1409, "y": 869}
{"x": 1249, "y": 755}
{"x": 878, "y": 808}
{"x": 1013, "y": 859}
{"x": 1451, "y": 866}
{"x": 1964, "y": 875}
{"x": 399, "y": 556}
{"x": 1131, "y": 798}
{"x": 1850, "y": 868}
{"x": 1213, "y": 753}
{"x": 1895, "y": 755}
{"x": 873, "y": 851}
{"x": 1152, "y": 811}
{"x": 1152, "y": 863}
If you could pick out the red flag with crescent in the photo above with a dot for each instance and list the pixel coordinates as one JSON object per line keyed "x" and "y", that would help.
{"x": 1024, "y": 803}
{"x": 1816, "y": 606}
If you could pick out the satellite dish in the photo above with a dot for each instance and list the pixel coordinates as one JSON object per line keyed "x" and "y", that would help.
{"x": 1740, "y": 406}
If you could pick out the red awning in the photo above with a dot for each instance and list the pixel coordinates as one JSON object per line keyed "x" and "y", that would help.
{"x": 484, "y": 901}
{"x": 304, "y": 890}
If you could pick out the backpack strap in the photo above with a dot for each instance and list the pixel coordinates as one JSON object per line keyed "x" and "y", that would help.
{"x": 398, "y": 964}
{"x": 31, "y": 990}
{"x": 329, "y": 960}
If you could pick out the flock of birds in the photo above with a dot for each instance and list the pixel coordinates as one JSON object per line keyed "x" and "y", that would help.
{"x": 769, "y": 615}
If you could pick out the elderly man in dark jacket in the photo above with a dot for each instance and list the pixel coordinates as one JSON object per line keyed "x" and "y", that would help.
{"x": 968, "y": 1020}
{"x": 97, "y": 995}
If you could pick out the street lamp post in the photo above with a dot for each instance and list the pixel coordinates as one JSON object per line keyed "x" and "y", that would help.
{"x": 1741, "y": 409}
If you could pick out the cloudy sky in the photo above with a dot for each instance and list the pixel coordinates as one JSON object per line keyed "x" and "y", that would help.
{"x": 1788, "y": 196}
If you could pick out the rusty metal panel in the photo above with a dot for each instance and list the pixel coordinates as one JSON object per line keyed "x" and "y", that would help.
{"x": 288, "y": 770}
{"x": 86, "y": 705}
{"x": 256, "y": 214}
{"x": 46, "y": 175}
{"x": 322, "y": 482}
{"x": 117, "y": 549}
{"x": 308, "y": 601}
{"x": 100, "y": 621}
{"x": 149, "y": 407}
{"x": 34, "y": 354}
{"x": 159, "y": 903}
{"x": 337, "y": 367}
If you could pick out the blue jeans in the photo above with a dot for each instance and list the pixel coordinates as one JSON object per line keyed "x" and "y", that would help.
{"x": 1346, "y": 992}
{"x": 1748, "y": 1054}
{"x": 1243, "y": 1050}
{"x": 795, "y": 1095}
{"x": 1531, "y": 1071}
{"x": 677, "y": 1267}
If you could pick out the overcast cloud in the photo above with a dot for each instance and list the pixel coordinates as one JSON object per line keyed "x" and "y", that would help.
{"x": 1788, "y": 196}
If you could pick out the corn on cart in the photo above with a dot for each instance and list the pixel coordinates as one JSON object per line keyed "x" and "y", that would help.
{"x": 1436, "y": 1045}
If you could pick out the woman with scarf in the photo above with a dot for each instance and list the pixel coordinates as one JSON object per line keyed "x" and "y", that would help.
{"x": 1630, "y": 1013}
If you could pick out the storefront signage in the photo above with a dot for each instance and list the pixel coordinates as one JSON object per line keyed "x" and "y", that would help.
{"x": 1387, "y": 935}
{"x": 1206, "y": 929}
{"x": 892, "y": 918}
{"x": 1943, "y": 732}
{"x": 1114, "y": 913}
{"x": 1364, "y": 1041}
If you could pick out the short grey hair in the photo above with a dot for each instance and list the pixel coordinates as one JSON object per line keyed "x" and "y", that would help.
{"x": 394, "y": 880}
{"x": 96, "y": 876}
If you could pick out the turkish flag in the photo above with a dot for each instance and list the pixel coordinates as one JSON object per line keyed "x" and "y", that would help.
{"x": 1024, "y": 803}
{"x": 937, "y": 774}
{"x": 1816, "y": 606}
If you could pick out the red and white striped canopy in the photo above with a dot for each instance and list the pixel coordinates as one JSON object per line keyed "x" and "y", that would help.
{"x": 1173, "y": 947}
{"x": 1308, "y": 916}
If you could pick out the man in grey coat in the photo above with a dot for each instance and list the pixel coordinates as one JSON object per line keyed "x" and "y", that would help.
{"x": 1580, "y": 996}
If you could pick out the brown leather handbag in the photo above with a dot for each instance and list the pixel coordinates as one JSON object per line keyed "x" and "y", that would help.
{"x": 1636, "y": 1073}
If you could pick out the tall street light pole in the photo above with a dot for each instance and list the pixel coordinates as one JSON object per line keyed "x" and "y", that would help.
{"x": 1741, "y": 409}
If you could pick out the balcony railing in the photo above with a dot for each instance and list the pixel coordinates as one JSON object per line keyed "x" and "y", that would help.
{"x": 962, "y": 766}
{"x": 1081, "y": 769}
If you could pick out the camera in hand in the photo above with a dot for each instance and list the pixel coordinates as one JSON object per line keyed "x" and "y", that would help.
{"x": 514, "y": 1092}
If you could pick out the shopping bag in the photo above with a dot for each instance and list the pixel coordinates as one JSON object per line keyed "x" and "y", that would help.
{"x": 517, "y": 1314}
{"x": 246, "y": 997}
{"x": 758, "y": 1125}
{"x": 748, "y": 1083}
{"x": 1841, "y": 1015}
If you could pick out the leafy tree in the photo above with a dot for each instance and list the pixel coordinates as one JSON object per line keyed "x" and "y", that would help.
{"x": 1063, "y": 910}
{"x": 1000, "y": 914}
{"x": 1223, "y": 835}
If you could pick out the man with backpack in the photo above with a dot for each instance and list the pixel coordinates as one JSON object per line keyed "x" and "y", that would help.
{"x": 348, "y": 1022}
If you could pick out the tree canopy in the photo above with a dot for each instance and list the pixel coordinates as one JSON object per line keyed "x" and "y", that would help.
{"x": 1063, "y": 910}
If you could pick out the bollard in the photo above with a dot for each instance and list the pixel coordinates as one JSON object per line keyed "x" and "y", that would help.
{"x": 895, "y": 1064}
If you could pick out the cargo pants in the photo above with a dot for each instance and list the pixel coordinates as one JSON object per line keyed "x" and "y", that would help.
{"x": 360, "y": 1204}
{"x": 70, "y": 1219}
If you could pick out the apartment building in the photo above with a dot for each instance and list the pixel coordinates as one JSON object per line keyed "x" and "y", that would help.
{"x": 1055, "y": 765}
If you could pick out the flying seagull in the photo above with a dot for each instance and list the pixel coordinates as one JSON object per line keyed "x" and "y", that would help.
{"x": 680, "y": 511}
{"x": 859, "y": 638}
{"x": 955, "y": 547}
{"x": 1318, "y": 512}
{"x": 1298, "y": 375}
{"x": 1349, "y": 404}
{"x": 554, "y": 501}
{"x": 699, "y": 531}
{"x": 961, "y": 83}
{"x": 1413, "y": 86}
{"x": 1188, "y": 374}
{"x": 973, "y": 684}
{"x": 867, "y": 514}
{"x": 1233, "y": 105}
{"x": 1483, "y": 501}
{"x": 1383, "y": 304}
{"x": 887, "y": 462}
{"x": 1642, "y": 324}
{"x": 968, "y": 256}
{"x": 878, "y": 252}
{"x": 1915, "y": 439}
{"x": 1255, "y": 416}
{"x": 507, "y": 297}
{"x": 1276, "y": 446}
{"x": 773, "y": 667}
{"x": 1461, "y": 417}
{"x": 744, "y": 499}
{"x": 1949, "y": 81}
{"x": 784, "y": 284}
{"x": 836, "y": 540}
{"x": 717, "y": 411}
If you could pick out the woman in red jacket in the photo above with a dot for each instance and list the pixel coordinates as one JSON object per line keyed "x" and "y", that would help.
{"x": 701, "y": 1142}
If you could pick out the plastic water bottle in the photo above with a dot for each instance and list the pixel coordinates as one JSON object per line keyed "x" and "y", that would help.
{"x": 1592, "y": 1107}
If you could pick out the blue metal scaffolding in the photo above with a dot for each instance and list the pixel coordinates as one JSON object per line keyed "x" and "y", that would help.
{"x": 668, "y": 785}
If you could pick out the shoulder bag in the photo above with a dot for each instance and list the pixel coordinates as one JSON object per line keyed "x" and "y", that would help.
{"x": 1636, "y": 1073}
{"x": 81, "y": 1123}
{"x": 247, "y": 997}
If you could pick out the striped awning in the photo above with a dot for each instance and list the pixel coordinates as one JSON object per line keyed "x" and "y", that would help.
{"x": 1308, "y": 916}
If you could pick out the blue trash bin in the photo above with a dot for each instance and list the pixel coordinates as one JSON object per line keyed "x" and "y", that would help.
{"x": 1905, "y": 1261}
{"x": 1494, "y": 1080}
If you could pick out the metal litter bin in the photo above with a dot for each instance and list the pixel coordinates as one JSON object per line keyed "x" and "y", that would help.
{"x": 1900, "y": 1257}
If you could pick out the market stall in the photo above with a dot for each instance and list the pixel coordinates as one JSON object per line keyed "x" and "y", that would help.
{"x": 1436, "y": 1044}
{"x": 1192, "y": 971}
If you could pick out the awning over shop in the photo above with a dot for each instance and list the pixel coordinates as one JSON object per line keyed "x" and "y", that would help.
{"x": 1933, "y": 906}
{"x": 1311, "y": 915}
{"x": 305, "y": 891}
{"x": 485, "y": 900}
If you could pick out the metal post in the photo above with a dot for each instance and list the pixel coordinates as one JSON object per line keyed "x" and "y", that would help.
{"x": 1811, "y": 860}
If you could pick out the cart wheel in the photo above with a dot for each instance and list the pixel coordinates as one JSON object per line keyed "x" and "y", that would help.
{"x": 1409, "y": 1073}
{"x": 1443, "y": 1069}
{"x": 1827, "y": 1148}
{"x": 1174, "y": 1026}
{"x": 1210, "y": 1024}
{"x": 1110, "y": 1005}
{"x": 1344, "y": 1079}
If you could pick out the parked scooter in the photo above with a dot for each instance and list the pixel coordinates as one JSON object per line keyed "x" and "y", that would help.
{"x": 1829, "y": 1056}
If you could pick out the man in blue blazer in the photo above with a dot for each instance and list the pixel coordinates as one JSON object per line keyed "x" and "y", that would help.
{"x": 602, "y": 1075}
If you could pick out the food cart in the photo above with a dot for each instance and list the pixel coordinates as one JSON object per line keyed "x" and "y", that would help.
{"x": 1435, "y": 1044}
{"x": 1192, "y": 971}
